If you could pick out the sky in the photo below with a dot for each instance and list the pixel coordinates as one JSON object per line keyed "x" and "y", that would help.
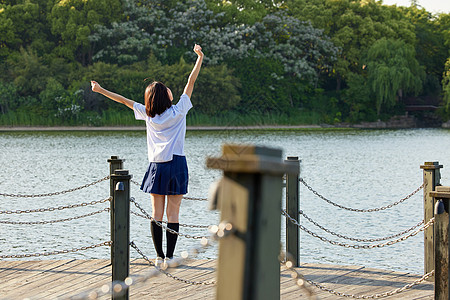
{"x": 434, "y": 6}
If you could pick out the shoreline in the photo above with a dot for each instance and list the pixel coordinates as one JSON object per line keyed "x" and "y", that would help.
{"x": 142, "y": 128}
{"x": 396, "y": 122}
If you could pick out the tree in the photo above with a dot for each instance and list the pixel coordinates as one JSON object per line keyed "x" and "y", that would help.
{"x": 23, "y": 25}
{"x": 72, "y": 22}
{"x": 29, "y": 71}
{"x": 353, "y": 26}
{"x": 431, "y": 51}
{"x": 244, "y": 11}
{"x": 392, "y": 71}
{"x": 8, "y": 93}
{"x": 301, "y": 51}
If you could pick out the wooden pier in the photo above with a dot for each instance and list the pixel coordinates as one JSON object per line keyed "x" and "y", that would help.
{"x": 61, "y": 279}
{"x": 248, "y": 171}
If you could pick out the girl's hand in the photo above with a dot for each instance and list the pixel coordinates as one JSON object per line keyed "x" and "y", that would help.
{"x": 198, "y": 50}
{"x": 95, "y": 86}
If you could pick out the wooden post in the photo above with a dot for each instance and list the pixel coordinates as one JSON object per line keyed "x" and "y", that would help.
{"x": 431, "y": 179}
{"x": 121, "y": 244}
{"x": 249, "y": 198}
{"x": 441, "y": 245}
{"x": 292, "y": 208}
{"x": 115, "y": 163}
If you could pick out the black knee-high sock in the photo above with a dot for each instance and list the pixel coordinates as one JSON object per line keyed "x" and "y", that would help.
{"x": 157, "y": 236}
{"x": 171, "y": 238}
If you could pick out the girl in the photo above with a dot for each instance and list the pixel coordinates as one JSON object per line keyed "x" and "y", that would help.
{"x": 167, "y": 173}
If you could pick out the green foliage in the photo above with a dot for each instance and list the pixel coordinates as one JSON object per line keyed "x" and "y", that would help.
{"x": 430, "y": 49}
{"x": 29, "y": 71}
{"x": 392, "y": 71}
{"x": 358, "y": 100}
{"x": 244, "y": 11}
{"x": 72, "y": 22}
{"x": 8, "y": 96}
{"x": 354, "y": 26}
{"x": 446, "y": 86}
{"x": 265, "y": 61}
{"x": 52, "y": 95}
{"x": 21, "y": 25}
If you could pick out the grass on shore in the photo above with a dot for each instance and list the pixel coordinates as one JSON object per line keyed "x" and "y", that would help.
{"x": 126, "y": 118}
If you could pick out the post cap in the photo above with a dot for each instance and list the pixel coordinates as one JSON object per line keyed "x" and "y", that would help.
{"x": 115, "y": 158}
{"x": 431, "y": 165}
{"x": 251, "y": 159}
{"x": 121, "y": 175}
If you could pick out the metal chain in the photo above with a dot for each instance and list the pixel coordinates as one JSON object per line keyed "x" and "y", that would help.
{"x": 164, "y": 227}
{"x": 9, "y": 212}
{"x": 56, "y": 252}
{"x": 430, "y": 222}
{"x": 132, "y": 244}
{"x": 195, "y": 198}
{"x": 118, "y": 288}
{"x": 356, "y": 239}
{"x": 135, "y": 182}
{"x": 186, "y": 198}
{"x": 55, "y": 193}
{"x": 356, "y": 209}
{"x": 385, "y": 294}
{"x": 55, "y": 221}
{"x": 182, "y": 225}
{"x": 298, "y": 277}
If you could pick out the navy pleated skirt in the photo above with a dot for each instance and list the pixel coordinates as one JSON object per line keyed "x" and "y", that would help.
{"x": 167, "y": 178}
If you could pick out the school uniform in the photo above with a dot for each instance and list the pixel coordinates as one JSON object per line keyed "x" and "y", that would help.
{"x": 167, "y": 173}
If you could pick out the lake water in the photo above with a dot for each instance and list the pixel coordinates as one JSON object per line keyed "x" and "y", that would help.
{"x": 355, "y": 168}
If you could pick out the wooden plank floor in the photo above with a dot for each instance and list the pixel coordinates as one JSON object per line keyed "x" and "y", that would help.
{"x": 61, "y": 279}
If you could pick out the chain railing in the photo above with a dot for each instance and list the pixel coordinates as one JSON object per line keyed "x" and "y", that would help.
{"x": 373, "y": 296}
{"x": 358, "y": 239}
{"x": 118, "y": 288}
{"x": 55, "y": 221}
{"x": 389, "y": 243}
{"x": 56, "y": 252}
{"x": 9, "y": 212}
{"x": 132, "y": 200}
{"x": 301, "y": 281}
{"x": 298, "y": 277}
{"x": 55, "y": 193}
{"x": 356, "y": 209}
{"x": 163, "y": 271}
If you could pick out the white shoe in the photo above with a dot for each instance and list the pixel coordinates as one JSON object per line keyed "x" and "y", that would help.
{"x": 170, "y": 262}
{"x": 158, "y": 261}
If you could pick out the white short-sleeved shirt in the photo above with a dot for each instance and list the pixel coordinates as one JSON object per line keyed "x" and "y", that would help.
{"x": 165, "y": 132}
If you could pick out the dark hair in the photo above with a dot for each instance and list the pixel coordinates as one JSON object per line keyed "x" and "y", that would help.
{"x": 156, "y": 99}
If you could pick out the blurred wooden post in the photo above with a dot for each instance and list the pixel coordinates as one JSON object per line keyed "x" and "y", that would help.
{"x": 115, "y": 163}
{"x": 441, "y": 245}
{"x": 293, "y": 208}
{"x": 431, "y": 179}
{"x": 249, "y": 198}
{"x": 121, "y": 244}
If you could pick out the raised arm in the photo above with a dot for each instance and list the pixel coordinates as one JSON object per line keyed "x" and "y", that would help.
{"x": 113, "y": 96}
{"x": 198, "y": 64}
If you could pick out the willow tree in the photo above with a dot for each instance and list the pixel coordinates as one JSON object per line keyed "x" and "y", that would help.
{"x": 392, "y": 71}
